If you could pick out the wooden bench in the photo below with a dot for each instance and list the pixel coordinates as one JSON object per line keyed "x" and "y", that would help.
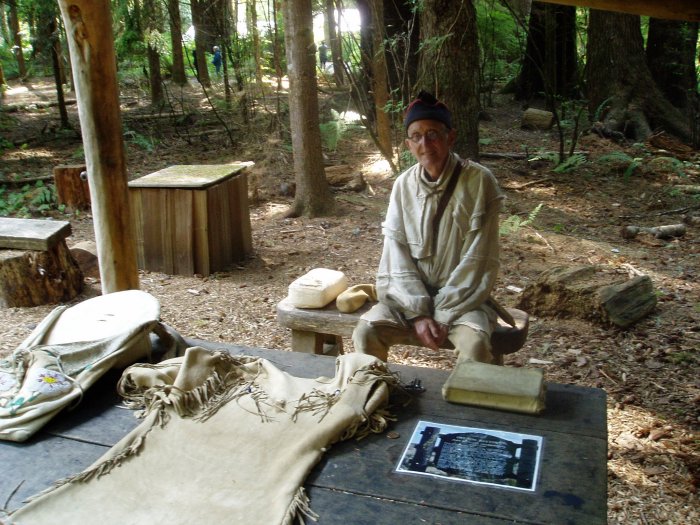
{"x": 321, "y": 330}
{"x": 36, "y": 266}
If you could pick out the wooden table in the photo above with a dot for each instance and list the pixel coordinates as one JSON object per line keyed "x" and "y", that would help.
{"x": 192, "y": 218}
{"x": 356, "y": 482}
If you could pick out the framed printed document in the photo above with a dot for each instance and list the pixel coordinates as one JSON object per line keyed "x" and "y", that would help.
{"x": 473, "y": 455}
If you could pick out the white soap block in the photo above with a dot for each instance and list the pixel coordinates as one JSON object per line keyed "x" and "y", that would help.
{"x": 317, "y": 288}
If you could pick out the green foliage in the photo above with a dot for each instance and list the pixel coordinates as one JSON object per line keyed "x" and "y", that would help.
{"x": 139, "y": 140}
{"x": 78, "y": 154}
{"x": 619, "y": 158}
{"x": 28, "y": 200}
{"x": 513, "y": 223}
{"x": 406, "y": 160}
{"x": 600, "y": 109}
{"x": 501, "y": 41}
{"x": 570, "y": 164}
{"x": 332, "y": 131}
{"x": 5, "y": 144}
{"x": 683, "y": 358}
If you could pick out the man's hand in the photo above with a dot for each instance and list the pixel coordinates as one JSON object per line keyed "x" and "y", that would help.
{"x": 431, "y": 333}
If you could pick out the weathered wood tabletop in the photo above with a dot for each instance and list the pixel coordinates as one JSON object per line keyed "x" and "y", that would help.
{"x": 356, "y": 482}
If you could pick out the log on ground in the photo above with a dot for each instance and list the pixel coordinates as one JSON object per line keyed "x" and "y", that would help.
{"x": 591, "y": 293}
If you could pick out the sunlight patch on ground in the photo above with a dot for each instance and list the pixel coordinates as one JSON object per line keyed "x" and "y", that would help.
{"x": 21, "y": 154}
{"x": 350, "y": 116}
{"x": 272, "y": 209}
{"x": 16, "y": 90}
{"x": 376, "y": 165}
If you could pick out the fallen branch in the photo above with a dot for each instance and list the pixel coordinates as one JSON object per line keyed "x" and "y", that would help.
{"x": 660, "y": 232}
{"x": 531, "y": 183}
{"x": 667, "y": 212}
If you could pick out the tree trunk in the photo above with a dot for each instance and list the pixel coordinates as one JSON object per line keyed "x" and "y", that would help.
{"x": 334, "y": 40}
{"x": 225, "y": 42}
{"x": 549, "y": 64}
{"x": 621, "y": 90}
{"x": 178, "y": 73}
{"x": 450, "y": 68}
{"x": 362, "y": 83}
{"x": 155, "y": 78}
{"x": 89, "y": 28}
{"x": 379, "y": 81}
{"x": 313, "y": 197}
{"x": 200, "y": 42}
{"x": 236, "y": 53}
{"x": 17, "y": 39}
{"x": 671, "y": 58}
{"x": 252, "y": 21}
{"x": 154, "y": 24}
{"x": 57, "y": 73}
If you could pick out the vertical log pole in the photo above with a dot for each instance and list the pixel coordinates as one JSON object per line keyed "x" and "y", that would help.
{"x": 88, "y": 26}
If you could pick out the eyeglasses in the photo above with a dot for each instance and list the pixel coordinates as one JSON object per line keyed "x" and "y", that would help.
{"x": 429, "y": 136}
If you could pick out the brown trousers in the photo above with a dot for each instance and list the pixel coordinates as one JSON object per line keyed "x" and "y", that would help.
{"x": 375, "y": 339}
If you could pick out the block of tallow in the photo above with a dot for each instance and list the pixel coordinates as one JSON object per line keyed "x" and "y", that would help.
{"x": 317, "y": 288}
{"x": 493, "y": 386}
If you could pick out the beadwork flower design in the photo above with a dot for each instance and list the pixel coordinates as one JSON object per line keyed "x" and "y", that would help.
{"x": 49, "y": 382}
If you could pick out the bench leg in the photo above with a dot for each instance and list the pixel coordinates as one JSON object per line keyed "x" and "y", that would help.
{"x": 307, "y": 342}
{"x": 313, "y": 343}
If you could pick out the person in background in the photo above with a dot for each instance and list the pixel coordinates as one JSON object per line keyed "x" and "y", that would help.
{"x": 440, "y": 256}
{"x": 323, "y": 55}
{"x": 217, "y": 60}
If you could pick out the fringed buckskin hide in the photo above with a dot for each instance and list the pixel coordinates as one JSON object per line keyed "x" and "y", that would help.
{"x": 225, "y": 439}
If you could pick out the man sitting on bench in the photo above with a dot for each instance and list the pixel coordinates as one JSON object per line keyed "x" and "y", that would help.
{"x": 440, "y": 257}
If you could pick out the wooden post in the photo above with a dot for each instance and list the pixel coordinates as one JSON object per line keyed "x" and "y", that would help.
{"x": 88, "y": 26}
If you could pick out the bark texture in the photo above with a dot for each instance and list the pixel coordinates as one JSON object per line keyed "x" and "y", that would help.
{"x": 621, "y": 91}
{"x": 313, "y": 197}
{"x": 449, "y": 66}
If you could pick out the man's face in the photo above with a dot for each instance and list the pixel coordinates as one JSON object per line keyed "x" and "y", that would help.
{"x": 430, "y": 142}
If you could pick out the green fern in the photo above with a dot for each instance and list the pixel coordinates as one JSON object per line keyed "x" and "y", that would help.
{"x": 513, "y": 223}
{"x": 619, "y": 158}
{"x": 570, "y": 164}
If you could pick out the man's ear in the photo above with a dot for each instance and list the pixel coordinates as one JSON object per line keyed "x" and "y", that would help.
{"x": 452, "y": 137}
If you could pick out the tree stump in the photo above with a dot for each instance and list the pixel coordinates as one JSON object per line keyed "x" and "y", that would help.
{"x": 72, "y": 186}
{"x": 36, "y": 267}
{"x": 591, "y": 293}
{"x": 33, "y": 277}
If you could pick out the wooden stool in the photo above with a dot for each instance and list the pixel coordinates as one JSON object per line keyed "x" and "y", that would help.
{"x": 321, "y": 330}
{"x": 36, "y": 266}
